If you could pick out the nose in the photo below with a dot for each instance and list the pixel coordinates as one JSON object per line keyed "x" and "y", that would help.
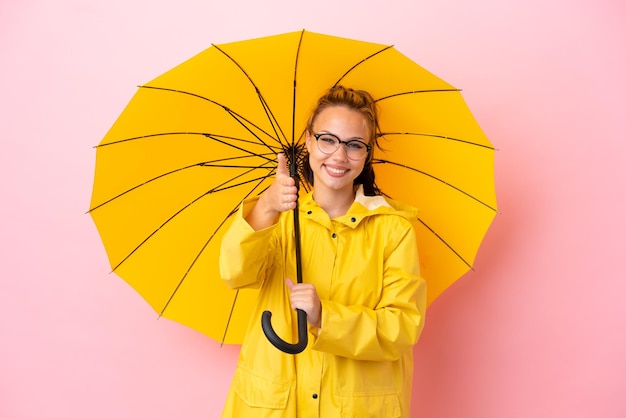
{"x": 341, "y": 152}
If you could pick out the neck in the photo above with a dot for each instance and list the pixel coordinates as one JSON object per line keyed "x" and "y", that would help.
{"x": 334, "y": 202}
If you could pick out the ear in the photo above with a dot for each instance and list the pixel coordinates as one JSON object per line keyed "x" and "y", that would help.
{"x": 308, "y": 141}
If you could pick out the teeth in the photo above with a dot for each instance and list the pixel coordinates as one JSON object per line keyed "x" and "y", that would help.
{"x": 335, "y": 170}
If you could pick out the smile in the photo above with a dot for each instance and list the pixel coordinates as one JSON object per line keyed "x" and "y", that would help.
{"x": 336, "y": 170}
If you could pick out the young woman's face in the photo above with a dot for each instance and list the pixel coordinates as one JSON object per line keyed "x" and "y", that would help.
{"x": 336, "y": 171}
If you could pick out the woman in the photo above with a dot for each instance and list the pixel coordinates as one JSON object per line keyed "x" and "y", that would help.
{"x": 362, "y": 293}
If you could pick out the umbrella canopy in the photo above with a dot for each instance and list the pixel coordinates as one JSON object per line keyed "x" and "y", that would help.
{"x": 197, "y": 140}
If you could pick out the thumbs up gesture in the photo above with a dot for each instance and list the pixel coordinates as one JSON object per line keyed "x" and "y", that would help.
{"x": 281, "y": 196}
{"x": 283, "y": 193}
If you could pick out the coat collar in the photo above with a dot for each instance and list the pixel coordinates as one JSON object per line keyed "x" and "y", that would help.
{"x": 362, "y": 207}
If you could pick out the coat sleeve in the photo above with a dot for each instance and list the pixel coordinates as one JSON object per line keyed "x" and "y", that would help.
{"x": 394, "y": 325}
{"x": 244, "y": 251}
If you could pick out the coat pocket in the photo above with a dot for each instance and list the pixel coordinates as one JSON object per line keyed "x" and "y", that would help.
{"x": 371, "y": 406}
{"x": 259, "y": 392}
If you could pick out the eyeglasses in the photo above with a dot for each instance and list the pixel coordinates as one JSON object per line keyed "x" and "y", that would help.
{"x": 329, "y": 143}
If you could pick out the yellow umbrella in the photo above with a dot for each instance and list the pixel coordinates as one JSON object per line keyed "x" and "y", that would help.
{"x": 197, "y": 140}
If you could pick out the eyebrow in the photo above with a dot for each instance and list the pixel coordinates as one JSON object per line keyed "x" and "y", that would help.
{"x": 355, "y": 138}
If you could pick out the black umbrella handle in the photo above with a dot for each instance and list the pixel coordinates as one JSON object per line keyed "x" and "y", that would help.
{"x": 266, "y": 318}
{"x": 282, "y": 345}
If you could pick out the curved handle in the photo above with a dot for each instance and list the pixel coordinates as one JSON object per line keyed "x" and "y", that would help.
{"x": 282, "y": 345}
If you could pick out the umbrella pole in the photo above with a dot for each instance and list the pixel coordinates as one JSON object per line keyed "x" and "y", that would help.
{"x": 266, "y": 318}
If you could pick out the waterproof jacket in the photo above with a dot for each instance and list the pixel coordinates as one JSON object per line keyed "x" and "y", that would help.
{"x": 365, "y": 268}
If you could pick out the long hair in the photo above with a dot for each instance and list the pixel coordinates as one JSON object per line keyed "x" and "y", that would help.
{"x": 364, "y": 103}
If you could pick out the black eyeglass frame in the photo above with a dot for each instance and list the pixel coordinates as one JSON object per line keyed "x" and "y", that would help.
{"x": 317, "y": 137}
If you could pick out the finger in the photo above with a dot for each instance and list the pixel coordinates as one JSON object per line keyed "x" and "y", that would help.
{"x": 282, "y": 168}
{"x": 302, "y": 294}
{"x": 289, "y": 283}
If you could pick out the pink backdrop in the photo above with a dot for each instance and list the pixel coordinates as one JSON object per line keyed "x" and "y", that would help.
{"x": 537, "y": 330}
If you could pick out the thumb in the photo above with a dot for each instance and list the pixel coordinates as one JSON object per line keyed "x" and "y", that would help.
{"x": 282, "y": 165}
{"x": 289, "y": 283}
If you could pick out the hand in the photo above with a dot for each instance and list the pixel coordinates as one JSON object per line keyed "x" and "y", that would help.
{"x": 281, "y": 196}
{"x": 304, "y": 296}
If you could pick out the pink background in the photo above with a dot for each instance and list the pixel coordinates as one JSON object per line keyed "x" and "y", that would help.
{"x": 537, "y": 330}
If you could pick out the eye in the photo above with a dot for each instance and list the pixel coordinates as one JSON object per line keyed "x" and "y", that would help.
{"x": 355, "y": 145}
{"x": 328, "y": 139}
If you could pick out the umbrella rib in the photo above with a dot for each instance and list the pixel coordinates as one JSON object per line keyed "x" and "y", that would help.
{"x": 202, "y": 164}
{"x": 295, "y": 81}
{"x": 208, "y": 135}
{"x": 379, "y": 161}
{"x": 361, "y": 62}
{"x": 278, "y": 131}
{"x": 191, "y": 265}
{"x": 230, "y": 316}
{"x": 238, "y": 117}
{"x": 387, "y": 48}
{"x": 213, "y": 163}
{"x": 140, "y": 185}
{"x": 404, "y": 93}
{"x": 464, "y": 141}
{"x": 445, "y": 243}
{"x": 213, "y": 190}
